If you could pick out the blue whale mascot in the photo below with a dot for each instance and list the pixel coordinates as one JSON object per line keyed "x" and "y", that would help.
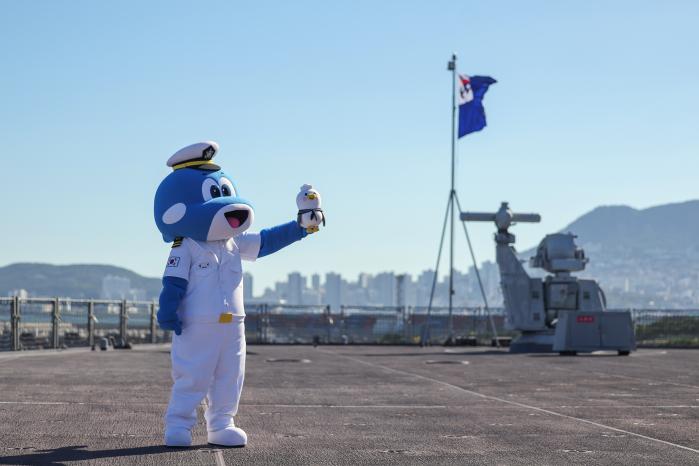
{"x": 198, "y": 208}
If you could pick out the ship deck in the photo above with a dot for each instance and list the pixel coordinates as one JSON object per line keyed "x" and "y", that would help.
{"x": 362, "y": 405}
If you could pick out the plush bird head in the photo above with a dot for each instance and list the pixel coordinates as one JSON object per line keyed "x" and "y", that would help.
{"x": 308, "y": 198}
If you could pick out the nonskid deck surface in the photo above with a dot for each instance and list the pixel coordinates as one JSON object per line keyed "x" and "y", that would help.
{"x": 362, "y": 405}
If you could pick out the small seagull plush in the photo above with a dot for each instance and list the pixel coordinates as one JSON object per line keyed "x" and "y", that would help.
{"x": 310, "y": 214}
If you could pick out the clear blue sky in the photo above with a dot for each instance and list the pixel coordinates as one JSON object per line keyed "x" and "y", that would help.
{"x": 595, "y": 104}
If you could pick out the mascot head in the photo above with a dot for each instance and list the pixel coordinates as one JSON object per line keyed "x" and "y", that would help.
{"x": 198, "y": 200}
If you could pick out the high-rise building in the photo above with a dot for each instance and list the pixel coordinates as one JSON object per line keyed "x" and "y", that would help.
{"x": 400, "y": 289}
{"x": 247, "y": 286}
{"x": 296, "y": 283}
{"x": 333, "y": 290}
{"x": 280, "y": 291}
{"x": 315, "y": 282}
{"x": 490, "y": 275}
{"x": 384, "y": 288}
{"x": 409, "y": 290}
{"x": 424, "y": 287}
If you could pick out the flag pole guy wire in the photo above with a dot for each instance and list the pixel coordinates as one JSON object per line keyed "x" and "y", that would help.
{"x": 471, "y": 120}
{"x": 478, "y": 276}
{"x": 425, "y": 337}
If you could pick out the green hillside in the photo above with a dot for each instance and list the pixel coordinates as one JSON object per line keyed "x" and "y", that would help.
{"x": 75, "y": 281}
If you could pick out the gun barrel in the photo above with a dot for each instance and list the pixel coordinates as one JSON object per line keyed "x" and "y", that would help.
{"x": 477, "y": 217}
{"x": 527, "y": 218}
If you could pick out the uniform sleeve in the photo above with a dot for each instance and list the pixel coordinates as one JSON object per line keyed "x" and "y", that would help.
{"x": 178, "y": 262}
{"x": 248, "y": 245}
{"x": 275, "y": 238}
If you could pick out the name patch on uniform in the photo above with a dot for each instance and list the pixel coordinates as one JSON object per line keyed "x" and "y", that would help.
{"x": 173, "y": 261}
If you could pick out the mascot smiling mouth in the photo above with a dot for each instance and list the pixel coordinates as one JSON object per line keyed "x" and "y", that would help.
{"x": 236, "y": 217}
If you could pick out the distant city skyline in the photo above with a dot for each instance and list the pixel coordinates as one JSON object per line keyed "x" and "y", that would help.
{"x": 628, "y": 281}
{"x": 381, "y": 289}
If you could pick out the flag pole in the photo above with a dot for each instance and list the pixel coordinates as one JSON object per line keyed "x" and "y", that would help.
{"x": 452, "y": 67}
{"x": 452, "y": 204}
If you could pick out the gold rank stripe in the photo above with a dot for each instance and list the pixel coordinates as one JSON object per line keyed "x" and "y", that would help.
{"x": 192, "y": 164}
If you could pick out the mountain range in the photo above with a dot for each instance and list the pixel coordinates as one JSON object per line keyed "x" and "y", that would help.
{"x": 641, "y": 257}
{"x": 75, "y": 281}
{"x": 669, "y": 227}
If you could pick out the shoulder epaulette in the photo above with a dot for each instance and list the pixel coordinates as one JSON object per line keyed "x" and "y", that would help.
{"x": 178, "y": 242}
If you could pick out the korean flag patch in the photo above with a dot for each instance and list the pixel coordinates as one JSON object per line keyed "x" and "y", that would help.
{"x": 173, "y": 261}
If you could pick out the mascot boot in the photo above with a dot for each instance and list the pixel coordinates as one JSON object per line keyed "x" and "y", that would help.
{"x": 199, "y": 210}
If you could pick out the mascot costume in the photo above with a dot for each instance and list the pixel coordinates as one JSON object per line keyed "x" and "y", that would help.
{"x": 198, "y": 209}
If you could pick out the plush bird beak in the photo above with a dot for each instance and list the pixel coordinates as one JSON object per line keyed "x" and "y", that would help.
{"x": 312, "y": 196}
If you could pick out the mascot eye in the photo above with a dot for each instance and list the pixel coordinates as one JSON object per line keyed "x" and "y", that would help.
{"x": 226, "y": 187}
{"x": 207, "y": 189}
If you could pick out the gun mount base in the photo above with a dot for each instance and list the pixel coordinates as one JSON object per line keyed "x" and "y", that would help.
{"x": 533, "y": 342}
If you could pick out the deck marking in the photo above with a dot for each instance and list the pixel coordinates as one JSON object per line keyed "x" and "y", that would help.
{"x": 42, "y": 403}
{"x": 631, "y": 406}
{"x": 514, "y": 403}
{"x": 12, "y": 355}
{"x": 347, "y": 406}
{"x": 330, "y": 406}
{"x": 643, "y": 379}
{"x": 253, "y": 405}
{"x": 218, "y": 454}
{"x": 613, "y": 366}
{"x": 613, "y": 363}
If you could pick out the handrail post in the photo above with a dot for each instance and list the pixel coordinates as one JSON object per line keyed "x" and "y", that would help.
{"x": 91, "y": 324}
{"x": 265, "y": 313}
{"x": 261, "y": 323}
{"x": 122, "y": 321}
{"x": 14, "y": 324}
{"x": 328, "y": 318}
{"x": 55, "y": 319}
{"x": 153, "y": 329}
{"x": 258, "y": 333}
{"x": 404, "y": 323}
{"x": 343, "y": 324}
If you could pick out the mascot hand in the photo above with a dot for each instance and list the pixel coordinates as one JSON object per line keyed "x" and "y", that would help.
{"x": 174, "y": 325}
{"x": 174, "y": 289}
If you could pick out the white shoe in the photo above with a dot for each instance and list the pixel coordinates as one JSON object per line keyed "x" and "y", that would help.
{"x": 178, "y": 437}
{"x": 230, "y": 436}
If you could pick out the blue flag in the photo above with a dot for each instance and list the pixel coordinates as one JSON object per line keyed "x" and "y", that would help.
{"x": 470, "y": 100}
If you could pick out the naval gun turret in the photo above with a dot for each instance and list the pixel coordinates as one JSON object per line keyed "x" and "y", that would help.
{"x": 560, "y": 312}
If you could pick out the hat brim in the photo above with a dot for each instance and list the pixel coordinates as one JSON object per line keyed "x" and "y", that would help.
{"x": 209, "y": 167}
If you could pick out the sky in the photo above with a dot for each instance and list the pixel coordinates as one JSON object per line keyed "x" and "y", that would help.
{"x": 595, "y": 105}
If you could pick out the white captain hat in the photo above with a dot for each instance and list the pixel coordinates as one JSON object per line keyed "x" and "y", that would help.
{"x": 196, "y": 155}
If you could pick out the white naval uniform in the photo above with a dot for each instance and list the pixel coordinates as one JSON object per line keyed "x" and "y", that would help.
{"x": 208, "y": 358}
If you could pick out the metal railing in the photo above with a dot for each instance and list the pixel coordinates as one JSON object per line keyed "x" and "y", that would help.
{"x": 44, "y": 323}
{"x": 281, "y": 323}
{"x": 666, "y": 328}
{"x": 471, "y": 322}
{"x": 35, "y": 323}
